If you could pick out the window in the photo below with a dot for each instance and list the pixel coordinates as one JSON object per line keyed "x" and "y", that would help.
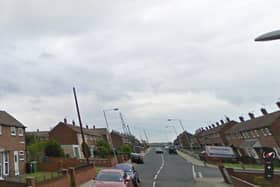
{"x": 264, "y": 132}
{"x": 257, "y": 133}
{"x": 252, "y": 134}
{"x": 6, "y": 163}
{"x": 13, "y": 131}
{"x": 21, "y": 155}
{"x": 20, "y": 131}
{"x": 0, "y": 129}
{"x": 268, "y": 131}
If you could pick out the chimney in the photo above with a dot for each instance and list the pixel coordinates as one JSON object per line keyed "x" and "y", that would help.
{"x": 93, "y": 126}
{"x": 87, "y": 126}
{"x": 65, "y": 121}
{"x": 251, "y": 115}
{"x": 213, "y": 125}
{"x": 227, "y": 118}
{"x": 264, "y": 112}
{"x": 37, "y": 130}
{"x": 278, "y": 104}
{"x": 222, "y": 122}
{"x": 73, "y": 123}
{"x": 217, "y": 123}
{"x": 241, "y": 119}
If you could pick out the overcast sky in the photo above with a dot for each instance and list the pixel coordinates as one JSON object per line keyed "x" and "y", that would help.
{"x": 193, "y": 60}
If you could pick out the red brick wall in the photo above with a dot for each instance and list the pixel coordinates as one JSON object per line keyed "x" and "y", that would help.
{"x": 85, "y": 174}
{"x": 63, "y": 135}
{"x": 63, "y": 181}
{"x": 55, "y": 164}
{"x": 104, "y": 162}
{"x": 11, "y": 184}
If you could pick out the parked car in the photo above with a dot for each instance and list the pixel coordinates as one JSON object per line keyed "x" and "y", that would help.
{"x": 159, "y": 150}
{"x": 172, "y": 149}
{"x": 112, "y": 178}
{"x": 130, "y": 170}
{"x": 137, "y": 158}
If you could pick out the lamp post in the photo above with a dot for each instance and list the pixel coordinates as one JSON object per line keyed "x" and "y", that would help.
{"x": 107, "y": 125}
{"x": 274, "y": 35}
{"x": 175, "y": 131}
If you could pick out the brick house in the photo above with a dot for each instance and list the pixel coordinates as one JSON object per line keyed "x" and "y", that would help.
{"x": 118, "y": 139}
{"x": 41, "y": 135}
{"x": 12, "y": 146}
{"x": 103, "y": 132}
{"x": 214, "y": 134}
{"x": 252, "y": 137}
{"x": 70, "y": 138}
{"x": 187, "y": 139}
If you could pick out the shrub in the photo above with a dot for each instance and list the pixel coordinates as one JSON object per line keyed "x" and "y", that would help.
{"x": 53, "y": 149}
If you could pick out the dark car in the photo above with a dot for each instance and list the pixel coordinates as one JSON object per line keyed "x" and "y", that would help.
{"x": 130, "y": 171}
{"x": 172, "y": 150}
{"x": 159, "y": 150}
{"x": 137, "y": 158}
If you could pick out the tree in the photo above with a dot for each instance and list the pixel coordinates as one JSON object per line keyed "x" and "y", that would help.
{"x": 125, "y": 148}
{"x": 53, "y": 149}
{"x": 102, "y": 148}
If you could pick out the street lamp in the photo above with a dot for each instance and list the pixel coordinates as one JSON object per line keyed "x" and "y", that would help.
{"x": 274, "y": 35}
{"x": 107, "y": 125}
{"x": 175, "y": 131}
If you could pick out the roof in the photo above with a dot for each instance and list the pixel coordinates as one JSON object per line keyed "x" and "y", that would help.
{"x": 101, "y": 131}
{"x": 217, "y": 129}
{"x": 256, "y": 123}
{"x": 78, "y": 130}
{"x": 38, "y": 133}
{"x": 8, "y": 120}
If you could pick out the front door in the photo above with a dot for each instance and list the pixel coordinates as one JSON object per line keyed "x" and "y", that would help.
{"x": 1, "y": 167}
{"x": 16, "y": 163}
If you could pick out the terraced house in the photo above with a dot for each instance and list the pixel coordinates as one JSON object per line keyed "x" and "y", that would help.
{"x": 251, "y": 137}
{"x": 12, "y": 146}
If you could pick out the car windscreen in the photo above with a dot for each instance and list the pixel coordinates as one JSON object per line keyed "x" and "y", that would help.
{"x": 125, "y": 168}
{"x": 109, "y": 176}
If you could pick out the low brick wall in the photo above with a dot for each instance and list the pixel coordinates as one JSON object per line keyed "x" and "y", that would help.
{"x": 56, "y": 164}
{"x": 11, "y": 184}
{"x": 104, "y": 162}
{"x": 85, "y": 174}
{"x": 120, "y": 158}
{"x": 61, "y": 181}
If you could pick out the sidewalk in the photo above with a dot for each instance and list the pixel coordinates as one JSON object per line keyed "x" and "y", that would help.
{"x": 205, "y": 181}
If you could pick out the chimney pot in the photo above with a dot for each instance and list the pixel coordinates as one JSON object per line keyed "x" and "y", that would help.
{"x": 264, "y": 112}
{"x": 227, "y": 118}
{"x": 73, "y": 122}
{"x": 65, "y": 121}
{"x": 87, "y": 126}
{"x": 217, "y": 123}
{"x": 222, "y": 121}
{"x": 241, "y": 119}
{"x": 37, "y": 130}
{"x": 93, "y": 126}
{"x": 278, "y": 104}
{"x": 251, "y": 115}
{"x": 213, "y": 125}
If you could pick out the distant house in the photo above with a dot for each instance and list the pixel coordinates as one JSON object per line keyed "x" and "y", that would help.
{"x": 103, "y": 132}
{"x": 251, "y": 137}
{"x": 119, "y": 139}
{"x": 41, "y": 135}
{"x": 12, "y": 146}
{"x": 187, "y": 140}
{"x": 70, "y": 138}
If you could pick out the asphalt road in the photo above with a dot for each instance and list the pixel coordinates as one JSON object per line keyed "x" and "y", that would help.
{"x": 165, "y": 170}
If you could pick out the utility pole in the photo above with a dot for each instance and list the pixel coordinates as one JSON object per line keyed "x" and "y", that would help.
{"x": 81, "y": 126}
{"x": 146, "y": 136}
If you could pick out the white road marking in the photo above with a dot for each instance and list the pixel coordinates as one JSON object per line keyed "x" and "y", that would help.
{"x": 157, "y": 173}
{"x": 200, "y": 174}
{"x": 193, "y": 172}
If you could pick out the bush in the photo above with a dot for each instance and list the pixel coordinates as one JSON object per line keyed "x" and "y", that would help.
{"x": 125, "y": 148}
{"x": 53, "y": 149}
{"x": 102, "y": 148}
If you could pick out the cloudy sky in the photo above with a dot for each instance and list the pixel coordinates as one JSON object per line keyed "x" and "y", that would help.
{"x": 193, "y": 60}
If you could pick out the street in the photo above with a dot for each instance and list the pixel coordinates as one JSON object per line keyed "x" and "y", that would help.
{"x": 165, "y": 170}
